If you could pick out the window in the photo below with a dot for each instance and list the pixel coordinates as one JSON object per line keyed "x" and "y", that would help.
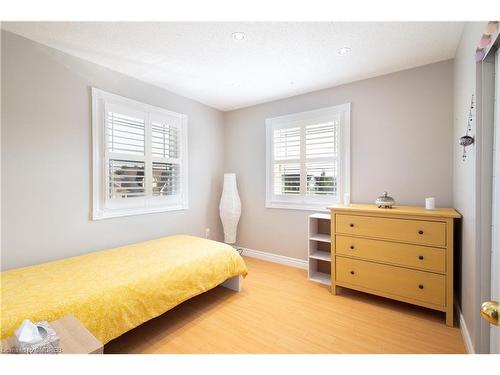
{"x": 139, "y": 157}
{"x": 308, "y": 158}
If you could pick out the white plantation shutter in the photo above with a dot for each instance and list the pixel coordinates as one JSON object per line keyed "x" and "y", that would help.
{"x": 321, "y": 178}
{"x": 286, "y": 144}
{"x": 321, "y": 143}
{"x": 125, "y": 134}
{"x": 286, "y": 178}
{"x": 286, "y": 151}
{"x": 166, "y": 179}
{"x": 166, "y": 152}
{"x": 308, "y": 158}
{"x": 321, "y": 140}
{"x": 140, "y": 163}
{"x": 125, "y": 153}
{"x": 164, "y": 139}
{"x": 126, "y": 179}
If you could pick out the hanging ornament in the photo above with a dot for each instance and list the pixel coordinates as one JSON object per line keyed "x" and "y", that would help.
{"x": 467, "y": 140}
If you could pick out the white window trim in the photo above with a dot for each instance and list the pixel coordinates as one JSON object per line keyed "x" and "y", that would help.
{"x": 311, "y": 203}
{"x": 99, "y": 210}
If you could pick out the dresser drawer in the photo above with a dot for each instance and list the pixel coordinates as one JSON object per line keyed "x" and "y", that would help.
{"x": 423, "y": 257}
{"x": 416, "y": 231}
{"x": 417, "y": 285}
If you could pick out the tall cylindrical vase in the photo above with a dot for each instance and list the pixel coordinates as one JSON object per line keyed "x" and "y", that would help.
{"x": 230, "y": 208}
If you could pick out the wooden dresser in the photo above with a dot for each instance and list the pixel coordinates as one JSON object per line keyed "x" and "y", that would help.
{"x": 404, "y": 253}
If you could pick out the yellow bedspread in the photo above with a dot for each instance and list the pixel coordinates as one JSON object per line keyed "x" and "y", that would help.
{"x": 115, "y": 290}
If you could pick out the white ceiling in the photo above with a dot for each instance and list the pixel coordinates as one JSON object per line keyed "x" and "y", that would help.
{"x": 202, "y": 61}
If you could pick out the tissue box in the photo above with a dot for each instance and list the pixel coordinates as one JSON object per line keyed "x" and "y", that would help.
{"x": 49, "y": 344}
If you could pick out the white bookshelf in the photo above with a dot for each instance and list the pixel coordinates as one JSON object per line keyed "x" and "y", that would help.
{"x": 319, "y": 249}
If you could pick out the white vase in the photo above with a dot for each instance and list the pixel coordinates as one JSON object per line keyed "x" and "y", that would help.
{"x": 230, "y": 208}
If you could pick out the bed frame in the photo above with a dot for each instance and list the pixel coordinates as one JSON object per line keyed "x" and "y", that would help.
{"x": 234, "y": 283}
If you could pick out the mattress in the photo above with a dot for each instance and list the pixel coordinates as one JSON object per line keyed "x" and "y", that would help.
{"x": 115, "y": 290}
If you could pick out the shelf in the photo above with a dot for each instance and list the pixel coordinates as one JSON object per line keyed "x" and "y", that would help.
{"x": 319, "y": 215}
{"x": 320, "y": 237}
{"x": 321, "y": 277}
{"x": 321, "y": 255}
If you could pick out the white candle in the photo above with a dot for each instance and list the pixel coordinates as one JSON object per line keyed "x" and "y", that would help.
{"x": 430, "y": 203}
{"x": 347, "y": 199}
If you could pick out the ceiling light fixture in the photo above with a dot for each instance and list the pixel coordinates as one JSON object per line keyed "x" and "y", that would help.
{"x": 239, "y": 36}
{"x": 343, "y": 51}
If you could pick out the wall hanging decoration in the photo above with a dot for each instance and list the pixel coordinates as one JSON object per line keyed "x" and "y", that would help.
{"x": 230, "y": 208}
{"x": 491, "y": 28}
{"x": 486, "y": 40}
{"x": 467, "y": 140}
{"x": 479, "y": 55}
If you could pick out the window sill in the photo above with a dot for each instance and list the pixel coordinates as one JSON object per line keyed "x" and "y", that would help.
{"x": 108, "y": 214}
{"x": 321, "y": 207}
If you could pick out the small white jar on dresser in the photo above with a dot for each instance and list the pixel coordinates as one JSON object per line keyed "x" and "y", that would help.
{"x": 404, "y": 253}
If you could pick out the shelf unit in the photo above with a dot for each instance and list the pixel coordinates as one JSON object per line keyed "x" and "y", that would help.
{"x": 319, "y": 248}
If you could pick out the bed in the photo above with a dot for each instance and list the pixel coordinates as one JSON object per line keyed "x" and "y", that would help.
{"x": 115, "y": 290}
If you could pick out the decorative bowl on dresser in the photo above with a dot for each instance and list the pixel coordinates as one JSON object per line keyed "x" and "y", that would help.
{"x": 405, "y": 253}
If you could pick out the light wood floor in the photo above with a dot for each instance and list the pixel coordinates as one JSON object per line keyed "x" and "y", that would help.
{"x": 280, "y": 311}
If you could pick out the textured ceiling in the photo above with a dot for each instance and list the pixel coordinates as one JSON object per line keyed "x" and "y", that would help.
{"x": 276, "y": 60}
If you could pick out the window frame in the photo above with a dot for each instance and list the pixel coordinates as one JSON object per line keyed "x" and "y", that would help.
{"x": 149, "y": 203}
{"x": 303, "y": 201}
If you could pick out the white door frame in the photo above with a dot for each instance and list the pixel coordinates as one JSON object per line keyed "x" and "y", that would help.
{"x": 495, "y": 232}
{"x": 485, "y": 124}
{"x": 485, "y": 93}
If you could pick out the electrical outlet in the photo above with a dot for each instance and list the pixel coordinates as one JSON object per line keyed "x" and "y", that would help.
{"x": 207, "y": 232}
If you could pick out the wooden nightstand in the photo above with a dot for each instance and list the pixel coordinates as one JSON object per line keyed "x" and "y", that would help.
{"x": 74, "y": 338}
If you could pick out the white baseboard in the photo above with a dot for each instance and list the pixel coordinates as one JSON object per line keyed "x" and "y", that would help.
{"x": 465, "y": 331}
{"x": 281, "y": 259}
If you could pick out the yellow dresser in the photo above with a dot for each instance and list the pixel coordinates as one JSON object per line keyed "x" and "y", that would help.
{"x": 404, "y": 253}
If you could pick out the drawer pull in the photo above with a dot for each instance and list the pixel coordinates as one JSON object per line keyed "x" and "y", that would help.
{"x": 421, "y": 257}
{"x": 420, "y": 286}
{"x": 352, "y": 247}
{"x": 351, "y": 225}
{"x": 420, "y": 231}
{"x": 352, "y": 272}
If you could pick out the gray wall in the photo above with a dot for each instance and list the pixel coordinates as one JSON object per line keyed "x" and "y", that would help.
{"x": 46, "y": 158}
{"x": 464, "y": 180}
{"x": 401, "y": 141}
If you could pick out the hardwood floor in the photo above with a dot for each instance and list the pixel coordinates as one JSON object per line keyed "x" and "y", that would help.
{"x": 280, "y": 311}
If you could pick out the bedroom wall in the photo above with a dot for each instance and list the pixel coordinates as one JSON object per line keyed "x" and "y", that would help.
{"x": 465, "y": 184}
{"x": 401, "y": 141}
{"x": 46, "y": 158}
